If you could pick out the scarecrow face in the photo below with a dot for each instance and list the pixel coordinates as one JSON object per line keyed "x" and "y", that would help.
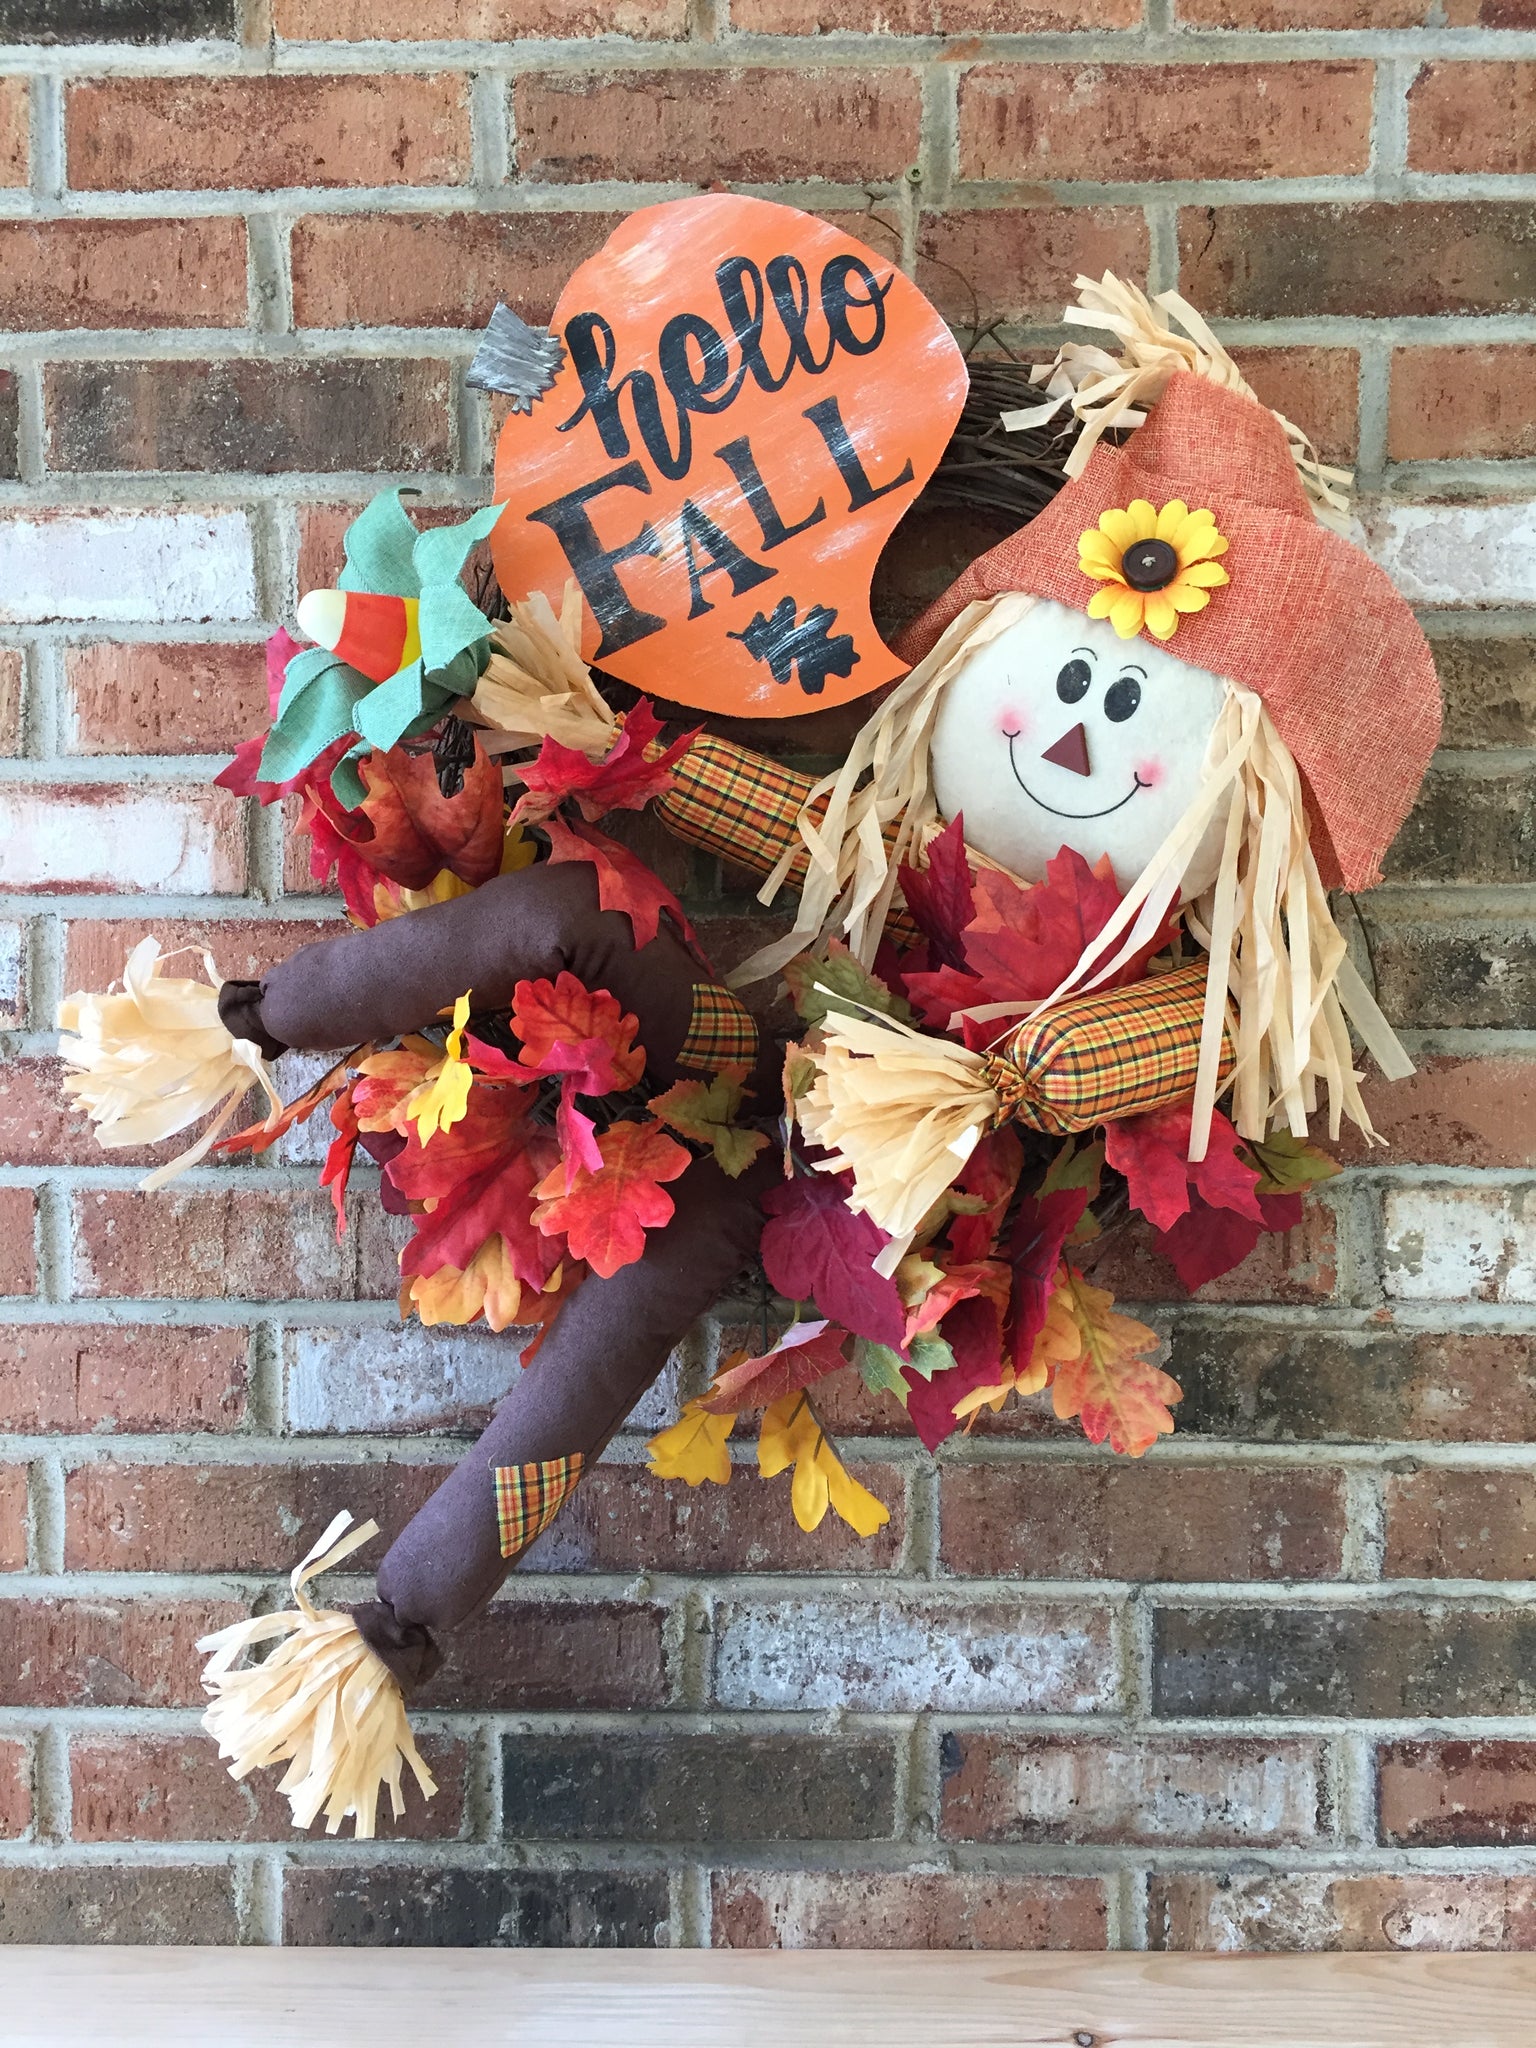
{"x": 1059, "y": 733}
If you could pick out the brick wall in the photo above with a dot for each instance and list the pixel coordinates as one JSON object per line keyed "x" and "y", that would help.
{"x": 1274, "y": 1687}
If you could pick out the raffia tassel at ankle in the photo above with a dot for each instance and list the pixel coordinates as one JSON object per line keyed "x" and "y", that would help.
{"x": 323, "y": 1702}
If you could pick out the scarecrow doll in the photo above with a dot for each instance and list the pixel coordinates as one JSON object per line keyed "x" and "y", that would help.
{"x": 1066, "y": 896}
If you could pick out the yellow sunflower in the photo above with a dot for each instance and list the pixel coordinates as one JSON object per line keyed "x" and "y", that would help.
{"x": 1153, "y": 565}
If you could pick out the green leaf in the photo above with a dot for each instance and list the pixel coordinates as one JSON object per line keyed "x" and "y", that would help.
{"x": 1072, "y": 1168}
{"x": 929, "y": 1354}
{"x": 1287, "y": 1163}
{"x": 703, "y": 1111}
{"x": 319, "y": 704}
{"x": 820, "y": 988}
{"x": 380, "y": 545}
{"x": 880, "y": 1369}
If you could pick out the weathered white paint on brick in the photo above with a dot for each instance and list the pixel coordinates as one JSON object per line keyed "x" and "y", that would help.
{"x": 183, "y": 842}
{"x": 388, "y": 1381}
{"x": 114, "y": 839}
{"x": 12, "y": 964}
{"x": 879, "y": 1657}
{"x": 126, "y": 568}
{"x": 1456, "y": 554}
{"x": 1461, "y": 1243}
{"x": 1169, "y": 1791}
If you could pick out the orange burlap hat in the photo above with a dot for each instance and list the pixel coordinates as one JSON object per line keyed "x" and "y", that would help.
{"x": 1307, "y": 622}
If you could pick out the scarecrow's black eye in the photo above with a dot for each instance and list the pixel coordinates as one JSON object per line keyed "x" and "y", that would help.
{"x": 1121, "y": 699}
{"x": 1073, "y": 681}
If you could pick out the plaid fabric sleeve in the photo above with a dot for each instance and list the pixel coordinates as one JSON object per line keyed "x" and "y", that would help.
{"x": 736, "y": 803}
{"x": 721, "y": 1032}
{"x": 1110, "y": 1054}
{"x": 528, "y": 1497}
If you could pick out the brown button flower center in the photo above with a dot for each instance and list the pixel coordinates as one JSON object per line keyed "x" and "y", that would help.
{"x": 1149, "y": 565}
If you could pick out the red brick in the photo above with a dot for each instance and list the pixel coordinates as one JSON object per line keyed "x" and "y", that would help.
{"x": 1455, "y": 1112}
{"x": 1284, "y": 1266}
{"x": 1473, "y": 117}
{"x": 12, "y": 683}
{"x": 141, "y": 697}
{"x": 1153, "y": 1521}
{"x": 1461, "y": 1525}
{"x": 1017, "y": 263}
{"x": 242, "y": 948}
{"x": 1317, "y": 388}
{"x": 18, "y": 1257}
{"x": 106, "y": 1653}
{"x": 1446, "y": 1795}
{"x": 1376, "y": 260}
{"x": 1280, "y": 1914}
{"x": 15, "y": 1789}
{"x": 225, "y": 1518}
{"x": 1061, "y": 121}
{"x": 123, "y": 273}
{"x": 121, "y": 838}
{"x": 757, "y": 125}
{"x": 14, "y": 168}
{"x": 1277, "y": 14}
{"x": 926, "y": 17}
{"x": 121, "y": 1376}
{"x": 173, "y": 1788}
{"x": 158, "y": 1905}
{"x": 621, "y": 1519}
{"x": 431, "y": 270}
{"x": 1451, "y": 402}
{"x": 228, "y": 1244}
{"x": 13, "y": 1518}
{"x": 321, "y": 555}
{"x": 253, "y": 134}
{"x": 269, "y": 417}
{"x": 542, "y": 1654}
{"x": 1152, "y": 1791}
{"x": 905, "y": 1909}
{"x": 478, "y": 21}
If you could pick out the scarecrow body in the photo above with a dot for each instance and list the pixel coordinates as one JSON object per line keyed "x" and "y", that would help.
{"x": 1136, "y": 711}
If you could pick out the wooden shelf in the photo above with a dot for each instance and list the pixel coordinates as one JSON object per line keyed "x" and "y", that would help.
{"x": 543, "y": 1998}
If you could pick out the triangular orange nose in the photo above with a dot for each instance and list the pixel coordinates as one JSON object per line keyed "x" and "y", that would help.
{"x": 1070, "y": 751}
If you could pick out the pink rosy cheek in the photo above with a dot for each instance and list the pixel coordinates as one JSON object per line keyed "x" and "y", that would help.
{"x": 1149, "y": 773}
{"x": 1011, "y": 723}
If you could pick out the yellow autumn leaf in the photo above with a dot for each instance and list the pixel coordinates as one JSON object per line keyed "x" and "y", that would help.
{"x": 487, "y": 1285}
{"x": 440, "y": 1102}
{"x": 1056, "y": 1343}
{"x": 1110, "y": 1385}
{"x": 693, "y": 1449}
{"x": 791, "y": 1434}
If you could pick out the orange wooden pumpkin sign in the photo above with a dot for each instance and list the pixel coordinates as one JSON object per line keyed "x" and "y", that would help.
{"x": 749, "y": 401}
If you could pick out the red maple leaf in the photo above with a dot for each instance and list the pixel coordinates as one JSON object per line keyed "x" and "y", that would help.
{"x": 624, "y": 882}
{"x": 807, "y": 1352}
{"x": 990, "y": 1175}
{"x": 501, "y": 1197}
{"x": 606, "y": 1214}
{"x": 816, "y": 1249}
{"x": 566, "y": 1028}
{"x": 339, "y": 1156}
{"x": 1040, "y": 1231}
{"x": 1152, "y": 1151}
{"x": 494, "y": 1123}
{"x": 973, "y": 1331}
{"x": 1207, "y": 1242}
{"x": 624, "y": 780}
{"x": 406, "y": 829}
{"x": 1024, "y": 942}
{"x": 940, "y": 896}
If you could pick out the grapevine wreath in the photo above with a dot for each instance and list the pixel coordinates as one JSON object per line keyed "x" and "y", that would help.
{"x": 1061, "y": 941}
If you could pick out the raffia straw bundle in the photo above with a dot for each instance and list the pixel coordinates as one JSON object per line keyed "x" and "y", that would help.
{"x": 323, "y": 1703}
{"x": 154, "y": 1056}
{"x": 1105, "y": 391}
{"x": 536, "y": 686}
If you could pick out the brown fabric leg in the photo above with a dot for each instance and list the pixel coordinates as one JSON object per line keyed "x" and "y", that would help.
{"x": 608, "y": 1344}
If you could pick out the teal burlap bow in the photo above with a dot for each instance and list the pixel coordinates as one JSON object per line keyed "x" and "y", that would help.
{"x": 324, "y": 698}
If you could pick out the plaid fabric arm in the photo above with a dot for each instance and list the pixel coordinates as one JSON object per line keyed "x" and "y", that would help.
{"x": 736, "y": 803}
{"x": 1114, "y": 1053}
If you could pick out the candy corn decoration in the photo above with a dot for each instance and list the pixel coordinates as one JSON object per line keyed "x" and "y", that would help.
{"x": 375, "y": 634}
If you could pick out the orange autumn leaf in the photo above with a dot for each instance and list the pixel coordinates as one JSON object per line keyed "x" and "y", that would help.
{"x": 387, "y": 1078}
{"x": 257, "y": 1138}
{"x": 605, "y": 1215}
{"x": 566, "y": 1028}
{"x": 486, "y": 1286}
{"x": 1111, "y": 1386}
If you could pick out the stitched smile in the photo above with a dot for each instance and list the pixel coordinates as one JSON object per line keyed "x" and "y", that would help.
{"x": 1136, "y": 784}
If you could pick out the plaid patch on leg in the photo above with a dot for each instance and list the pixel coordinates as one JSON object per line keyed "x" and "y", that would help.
{"x": 721, "y": 1032}
{"x": 528, "y": 1497}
